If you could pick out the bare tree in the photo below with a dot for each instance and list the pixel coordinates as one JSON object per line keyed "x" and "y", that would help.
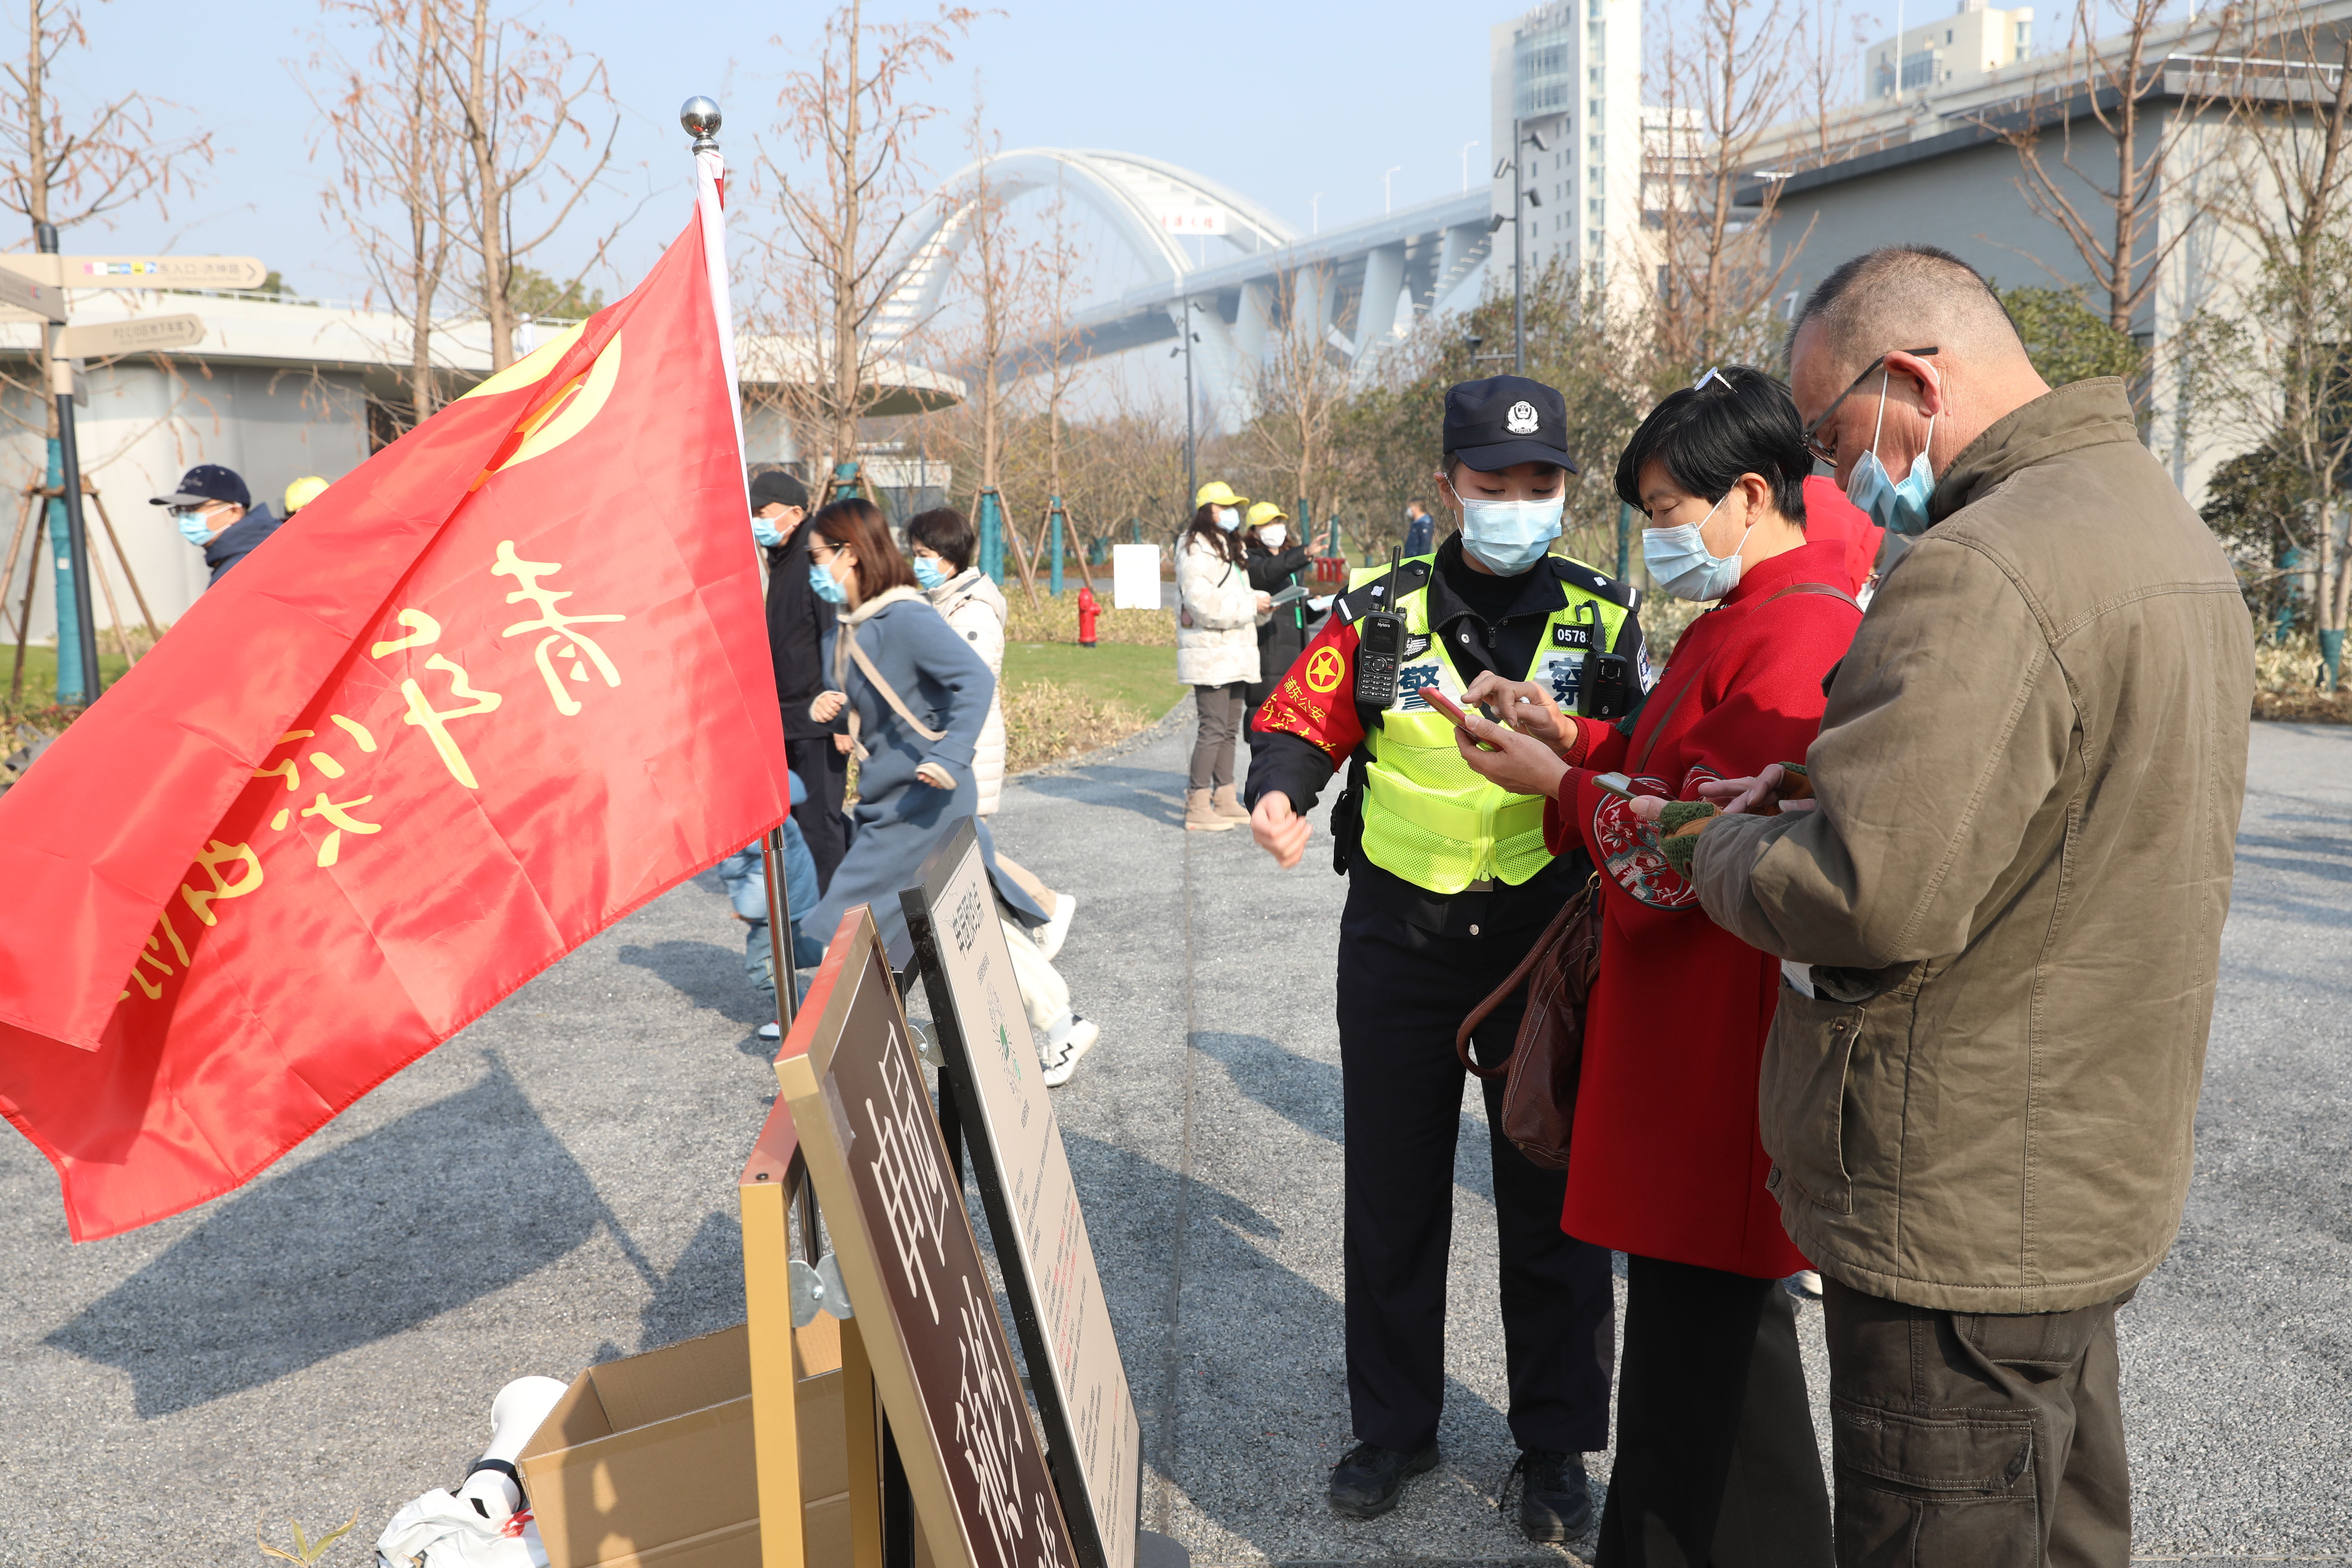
{"x": 69, "y": 174}
{"x": 2107, "y": 196}
{"x": 397, "y": 179}
{"x": 848, "y": 120}
{"x": 1831, "y": 41}
{"x": 2274, "y": 369}
{"x": 1300, "y": 387}
{"x": 520, "y": 94}
{"x": 1719, "y": 95}
{"x": 65, "y": 176}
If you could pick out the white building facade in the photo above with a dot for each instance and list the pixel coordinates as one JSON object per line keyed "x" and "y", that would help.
{"x": 1948, "y": 56}
{"x": 1570, "y": 73}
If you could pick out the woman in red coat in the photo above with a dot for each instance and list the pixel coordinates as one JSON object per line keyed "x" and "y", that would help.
{"x": 1715, "y": 1440}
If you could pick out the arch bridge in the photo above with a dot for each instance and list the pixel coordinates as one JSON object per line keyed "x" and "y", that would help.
{"x": 1260, "y": 277}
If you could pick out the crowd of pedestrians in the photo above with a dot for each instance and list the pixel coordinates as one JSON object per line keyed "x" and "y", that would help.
{"x": 1903, "y": 877}
{"x": 1910, "y": 863}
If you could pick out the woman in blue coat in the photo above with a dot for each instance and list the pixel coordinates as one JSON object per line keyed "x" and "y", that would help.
{"x": 917, "y": 697}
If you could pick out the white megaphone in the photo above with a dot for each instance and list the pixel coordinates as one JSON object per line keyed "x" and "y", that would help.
{"x": 493, "y": 1487}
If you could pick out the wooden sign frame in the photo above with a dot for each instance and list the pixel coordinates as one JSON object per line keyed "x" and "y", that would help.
{"x": 925, "y": 1311}
{"x": 1093, "y": 1437}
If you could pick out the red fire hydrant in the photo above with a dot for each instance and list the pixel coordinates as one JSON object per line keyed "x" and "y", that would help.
{"x": 1089, "y": 611}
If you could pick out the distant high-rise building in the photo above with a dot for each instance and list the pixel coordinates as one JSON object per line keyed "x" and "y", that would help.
{"x": 1570, "y": 72}
{"x": 1948, "y": 56}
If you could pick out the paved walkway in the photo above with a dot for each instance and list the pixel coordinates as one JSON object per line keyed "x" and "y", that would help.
{"x": 552, "y": 1188}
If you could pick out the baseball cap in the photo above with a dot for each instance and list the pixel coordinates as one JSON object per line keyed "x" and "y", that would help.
{"x": 1507, "y": 419}
{"x": 777, "y": 486}
{"x": 303, "y": 492}
{"x": 206, "y": 481}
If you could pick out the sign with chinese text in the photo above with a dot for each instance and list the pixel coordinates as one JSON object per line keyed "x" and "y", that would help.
{"x": 497, "y": 687}
{"x": 1091, "y": 1431}
{"x": 1192, "y": 220}
{"x": 895, "y": 1214}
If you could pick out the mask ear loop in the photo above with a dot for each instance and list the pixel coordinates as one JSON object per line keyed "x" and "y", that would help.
{"x": 1874, "y": 430}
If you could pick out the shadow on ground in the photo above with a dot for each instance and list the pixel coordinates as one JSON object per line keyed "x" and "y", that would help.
{"x": 447, "y": 1205}
{"x": 705, "y": 974}
{"x": 1306, "y": 1093}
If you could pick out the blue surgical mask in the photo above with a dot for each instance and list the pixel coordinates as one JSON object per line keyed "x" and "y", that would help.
{"x": 1897, "y": 507}
{"x": 193, "y": 525}
{"x": 930, "y": 571}
{"x": 766, "y": 532}
{"x": 1228, "y": 518}
{"x": 1509, "y": 536}
{"x": 1682, "y": 565}
{"x": 826, "y": 588}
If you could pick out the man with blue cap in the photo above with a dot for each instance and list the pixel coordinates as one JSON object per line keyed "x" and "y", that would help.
{"x": 215, "y": 512}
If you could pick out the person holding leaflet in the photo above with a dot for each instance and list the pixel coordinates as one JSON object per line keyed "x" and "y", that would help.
{"x": 1715, "y": 1458}
{"x": 1450, "y": 882}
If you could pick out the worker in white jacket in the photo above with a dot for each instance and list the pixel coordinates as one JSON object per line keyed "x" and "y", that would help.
{"x": 1216, "y": 650}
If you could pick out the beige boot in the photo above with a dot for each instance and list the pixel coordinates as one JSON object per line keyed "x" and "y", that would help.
{"x": 1199, "y": 817}
{"x": 1223, "y": 802}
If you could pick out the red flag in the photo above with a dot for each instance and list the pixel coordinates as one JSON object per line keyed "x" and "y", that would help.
{"x": 502, "y": 684}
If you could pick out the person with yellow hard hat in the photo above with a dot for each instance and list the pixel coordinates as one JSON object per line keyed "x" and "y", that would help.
{"x": 303, "y": 492}
{"x": 1217, "y": 617}
{"x": 1451, "y": 881}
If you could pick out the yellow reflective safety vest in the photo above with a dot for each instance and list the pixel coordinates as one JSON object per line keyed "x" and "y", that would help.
{"x": 1427, "y": 816}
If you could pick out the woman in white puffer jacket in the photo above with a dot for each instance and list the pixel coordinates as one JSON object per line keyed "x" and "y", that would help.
{"x": 939, "y": 547}
{"x": 1216, "y": 650}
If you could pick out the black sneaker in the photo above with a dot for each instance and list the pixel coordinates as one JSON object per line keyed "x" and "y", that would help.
{"x": 1555, "y": 1497}
{"x": 1367, "y": 1483}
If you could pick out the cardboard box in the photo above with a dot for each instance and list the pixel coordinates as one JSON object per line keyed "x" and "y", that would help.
{"x": 648, "y": 1462}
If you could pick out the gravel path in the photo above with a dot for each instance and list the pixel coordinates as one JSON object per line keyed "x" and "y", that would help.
{"x": 552, "y": 1188}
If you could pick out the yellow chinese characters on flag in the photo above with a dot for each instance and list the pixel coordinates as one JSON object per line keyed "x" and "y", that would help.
{"x": 555, "y": 702}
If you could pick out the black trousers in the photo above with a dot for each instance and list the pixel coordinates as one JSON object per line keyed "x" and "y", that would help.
{"x": 1976, "y": 1439}
{"x": 825, "y": 772}
{"x": 1717, "y": 1462}
{"x": 1403, "y": 993}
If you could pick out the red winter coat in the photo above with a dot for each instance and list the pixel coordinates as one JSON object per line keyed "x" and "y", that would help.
{"x": 1666, "y": 1160}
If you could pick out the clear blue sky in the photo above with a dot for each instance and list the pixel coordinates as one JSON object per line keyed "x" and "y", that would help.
{"x": 1279, "y": 102}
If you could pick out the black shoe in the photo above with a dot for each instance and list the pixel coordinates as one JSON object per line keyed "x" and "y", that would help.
{"x": 1555, "y": 1498}
{"x": 1367, "y": 1483}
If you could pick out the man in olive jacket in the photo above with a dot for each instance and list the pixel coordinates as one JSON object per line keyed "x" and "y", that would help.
{"x": 1978, "y": 1096}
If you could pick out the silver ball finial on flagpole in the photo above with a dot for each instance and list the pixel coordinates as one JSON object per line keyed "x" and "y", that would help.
{"x": 700, "y": 115}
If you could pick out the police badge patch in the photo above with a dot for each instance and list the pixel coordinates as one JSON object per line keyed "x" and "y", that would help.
{"x": 1521, "y": 420}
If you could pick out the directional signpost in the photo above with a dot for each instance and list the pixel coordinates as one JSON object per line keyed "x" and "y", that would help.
{"x": 36, "y": 284}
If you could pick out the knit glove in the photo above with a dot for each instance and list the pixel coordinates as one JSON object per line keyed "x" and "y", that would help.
{"x": 1679, "y": 826}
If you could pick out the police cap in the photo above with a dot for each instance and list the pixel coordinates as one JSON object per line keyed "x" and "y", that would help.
{"x": 1507, "y": 419}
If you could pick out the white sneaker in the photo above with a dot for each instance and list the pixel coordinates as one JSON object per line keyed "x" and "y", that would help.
{"x": 1062, "y": 1056}
{"x": 1049, "y": 939}
{"x": 1808, "y": 1283}
{"x": 771, "y": 1030}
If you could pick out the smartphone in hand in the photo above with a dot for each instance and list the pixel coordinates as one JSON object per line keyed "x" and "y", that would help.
{"x": 1453, "y": 710}
{"x": 1617, "y": 784}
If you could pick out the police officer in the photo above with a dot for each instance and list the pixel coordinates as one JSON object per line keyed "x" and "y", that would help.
{"x": 1450, "y": 882}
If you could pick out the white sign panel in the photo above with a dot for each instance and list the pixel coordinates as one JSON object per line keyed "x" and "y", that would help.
{"x": 1192, "y": 220}
{"x": 40, "y": 298}
{"x": 139, "y": 334}
{"x": 1017, "y": 1149}
{"x": 1135, "y": 577}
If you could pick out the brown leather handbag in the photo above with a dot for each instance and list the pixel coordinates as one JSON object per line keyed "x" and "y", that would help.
{"x": 1540, "y": 1074}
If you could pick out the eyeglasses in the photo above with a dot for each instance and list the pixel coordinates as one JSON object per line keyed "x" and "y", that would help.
{"x": 1813, "y": 443}
{"x": 1715, "y": 372}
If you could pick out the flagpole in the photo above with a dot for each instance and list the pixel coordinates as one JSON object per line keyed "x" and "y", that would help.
{"x": 699, "y": 117}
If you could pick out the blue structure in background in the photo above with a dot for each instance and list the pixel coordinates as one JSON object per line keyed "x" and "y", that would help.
{"x": 991, "y": 526}
{"x": 1055, "y": 508}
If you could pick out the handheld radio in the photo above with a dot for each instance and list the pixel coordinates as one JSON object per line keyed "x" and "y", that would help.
{"x": 1379, "y": 647}
{"x": 1606, "y": 689}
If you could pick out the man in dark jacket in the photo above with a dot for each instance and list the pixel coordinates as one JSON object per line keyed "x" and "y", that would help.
{"x": 799, "y": 626}
{"x": 215, "y": 512}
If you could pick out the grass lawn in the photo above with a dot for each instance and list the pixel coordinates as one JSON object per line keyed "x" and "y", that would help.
{"x": 1141, "y": 676}
{"x": 41, "y": 671}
